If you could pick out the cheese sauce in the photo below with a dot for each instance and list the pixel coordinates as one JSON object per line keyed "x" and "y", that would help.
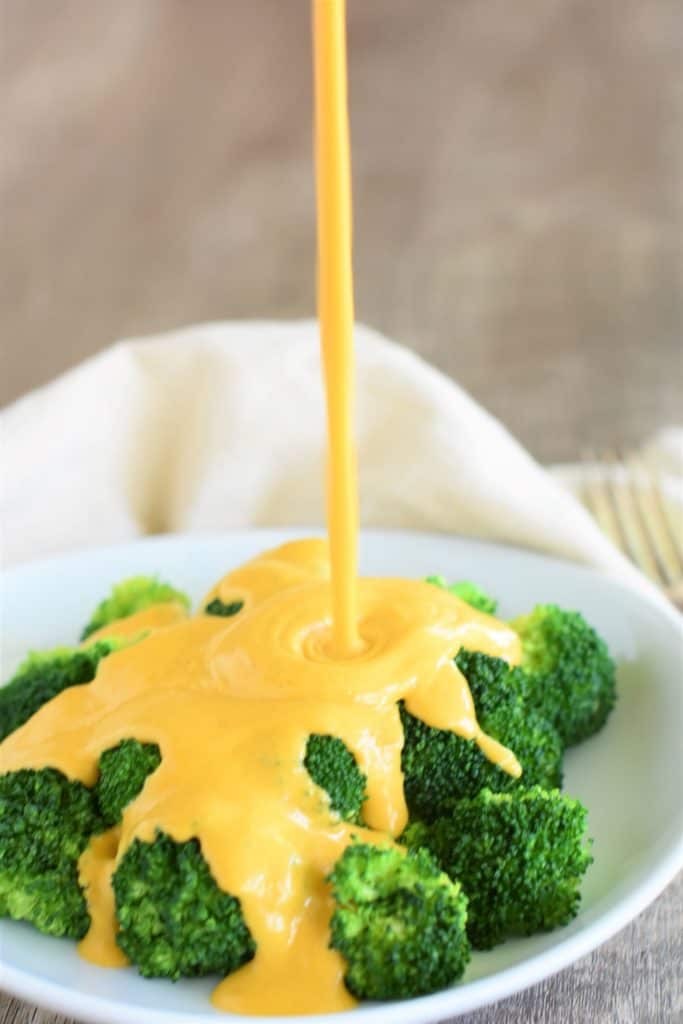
{"x": 335, "y": 309}
{"x": 231, "y": 702}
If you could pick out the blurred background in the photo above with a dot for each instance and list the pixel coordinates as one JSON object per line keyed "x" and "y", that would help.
{"x": 518, "y": 175}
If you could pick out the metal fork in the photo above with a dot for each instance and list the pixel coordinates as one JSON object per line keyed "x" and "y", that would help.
{"x": 626, "y": 498}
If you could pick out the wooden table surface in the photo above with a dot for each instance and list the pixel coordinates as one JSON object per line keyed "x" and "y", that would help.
{"x": 519, "y": 221}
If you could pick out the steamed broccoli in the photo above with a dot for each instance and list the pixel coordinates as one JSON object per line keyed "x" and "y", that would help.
{"x": 123, "y": 770}
{"x": 333, "y": 767}
{"x": 42, "y": 675}
{"x": 488, "y": 856}
{"x": 440, "y": 767}
{"x": 174, "y": 920}
{"x": 45, "y": 824}
{"x": 131, "y": 596}
{"x": 218, "y": 607}
{"x": 468, "y": 592}
{"x": 568, "y": 673}
{"x": 399, "y": 923}
{"x": 519, "y": 857}
{"x": 491, "y": 681}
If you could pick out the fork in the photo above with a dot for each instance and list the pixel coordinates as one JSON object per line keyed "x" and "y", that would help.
{"x": 626, "y": 498}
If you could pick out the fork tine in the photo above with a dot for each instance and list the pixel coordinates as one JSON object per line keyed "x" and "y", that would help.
{"x": 674, "y": 526}
{"x": 638, "y": 543}
{"x": 597, "y": 498}
{"x": 652, "y": 506}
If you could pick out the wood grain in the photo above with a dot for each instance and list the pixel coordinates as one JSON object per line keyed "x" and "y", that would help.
{"x": 519, "y": 221}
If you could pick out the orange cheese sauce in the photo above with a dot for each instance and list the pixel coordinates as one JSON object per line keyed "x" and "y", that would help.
{"x": 231, "y": 703}
{"x": 134, "y": 626}
{"x": 96, "y": 866}
{"x": 335, "y": 310}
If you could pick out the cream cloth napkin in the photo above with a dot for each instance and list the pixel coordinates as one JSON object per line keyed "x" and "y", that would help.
{"x": 222, "y": 425}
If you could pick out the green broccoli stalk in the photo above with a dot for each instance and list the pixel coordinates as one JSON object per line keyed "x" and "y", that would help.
{"x": 218, "y": 607}
{"x": 333, "y": 767}
{"x": 43, "y": 675}
{"x": 45, "y": 824}
{"x": 174, "y": 920}
{"x": 569, "y": 675}
{"x": 440, "y": 767}
{"x": 399, "y": 923}
{"x": 519, "y": 856}
{"x": 123, "y": 770}
{"x": 131, "y": 596}
{"x": 468, "y": 592}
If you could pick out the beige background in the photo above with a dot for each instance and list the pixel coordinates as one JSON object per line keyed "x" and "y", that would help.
{"x": 517, "y": 170}
{"x": 519, "y": 216}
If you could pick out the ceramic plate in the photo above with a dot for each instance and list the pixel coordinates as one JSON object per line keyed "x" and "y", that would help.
{"x": 629, "y": 776}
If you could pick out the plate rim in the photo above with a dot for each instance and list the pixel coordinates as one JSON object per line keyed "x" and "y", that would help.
{"x": 430, "y": 1008}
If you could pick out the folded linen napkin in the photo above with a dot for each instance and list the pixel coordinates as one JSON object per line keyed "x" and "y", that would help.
{"x": 222, "y": 425}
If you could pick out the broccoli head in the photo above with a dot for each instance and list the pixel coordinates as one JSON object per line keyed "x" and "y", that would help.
{"x": 123, "y": 770}
{"x": 45, "y": 824}
{"x": 519, "y": 857}
{"x": 333, "y": 767}
{"x": 43, "y": 675}
{"x": 218, "y": 607}
{"x": 131, "y": 596}
{"x": 440, "y": 767}
{"x": 490, "y": 680}
{"x": 399, "y": 923}
{"x": 569, "y": 675}
{"x": 174, "y": 920}
{"x": 468, "y": 592}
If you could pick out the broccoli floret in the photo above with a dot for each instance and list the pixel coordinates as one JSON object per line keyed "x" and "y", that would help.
{"x": 399, "y": 923}
{"x": 333, "y": 767}
{"x": 440, "y": 767}
{"x": 519, "y": 856}
{"x": 503, "y": 713}
{"x": 174, "y": 920}
{"x": 123, "y": 770}
{"x": 490, "y": 680}
{"x": 468, "y": 592}
{"x": 569, "y": 675}
{"x": 218, "y": 607}
{"x": 45, "y": 824}
{"x": 131, "y": 596}
{"x": 43, "y": 675}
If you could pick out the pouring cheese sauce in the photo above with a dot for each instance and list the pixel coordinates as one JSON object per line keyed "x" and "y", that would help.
{"x": 231, "y": 702}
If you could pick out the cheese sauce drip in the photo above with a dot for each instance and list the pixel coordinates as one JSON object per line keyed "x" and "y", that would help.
{"x": 231, "y": 704}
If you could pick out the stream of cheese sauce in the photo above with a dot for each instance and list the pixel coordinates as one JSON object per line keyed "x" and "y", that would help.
{"x": 335, "y": 310}
{"x": 231, "y": 702}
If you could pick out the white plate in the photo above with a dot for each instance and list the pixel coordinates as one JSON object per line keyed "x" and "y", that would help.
{"x": 629, "y": 775}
